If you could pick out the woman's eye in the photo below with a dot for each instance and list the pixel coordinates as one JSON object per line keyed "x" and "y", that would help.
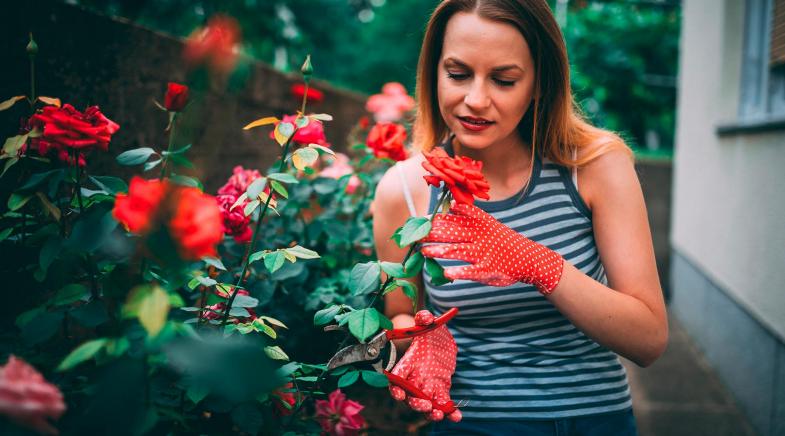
{"x": 501, "y": 82}
{"x": 457, "y": 76}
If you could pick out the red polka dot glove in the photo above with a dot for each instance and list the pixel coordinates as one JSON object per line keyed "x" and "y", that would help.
{"x": 499, "y": 256}
{"x": 428, "y": 364}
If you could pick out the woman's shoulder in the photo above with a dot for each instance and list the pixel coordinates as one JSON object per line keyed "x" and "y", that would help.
{"x": 390, "y": 197}
{"x": 607, "y": 174}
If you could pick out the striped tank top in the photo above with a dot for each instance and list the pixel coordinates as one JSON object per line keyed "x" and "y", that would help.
{"x": 518, "y": 356}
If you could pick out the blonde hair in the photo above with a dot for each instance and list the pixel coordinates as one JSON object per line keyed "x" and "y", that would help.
{"x": 554, "y": 123}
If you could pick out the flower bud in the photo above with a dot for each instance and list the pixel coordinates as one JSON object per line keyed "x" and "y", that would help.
{"x": 32, "y": 47}
{"x": 307, "y": 68}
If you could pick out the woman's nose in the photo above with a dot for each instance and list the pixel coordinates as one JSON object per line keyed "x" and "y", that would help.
{"x": 477, "y": 96}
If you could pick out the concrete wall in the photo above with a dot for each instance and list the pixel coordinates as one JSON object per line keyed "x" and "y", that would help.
{"x": 86, "y": 59}
{"x": 728, "y": 218}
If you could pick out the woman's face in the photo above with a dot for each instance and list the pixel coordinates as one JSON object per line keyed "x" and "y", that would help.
{"x": 485, "y": 80}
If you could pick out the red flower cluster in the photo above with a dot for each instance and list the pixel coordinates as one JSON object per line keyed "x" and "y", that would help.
{"x": 27, "y": 398}
{"x": 284, "y": 395}
{"x": 339, "y": 416}
{"x": 387, "y": 140}
{"x": 176, "y": 97}
{"x": 217, "y": 309}
{"x": 215, "y": 44}
{"x": 192, "y": 218}
{"x": 313, "y": 133}
{"x": 236, "y": 224}
{"x": 461, "y": 175}
{"x": 314, "y": 95}
{"x": 65, "y": 129}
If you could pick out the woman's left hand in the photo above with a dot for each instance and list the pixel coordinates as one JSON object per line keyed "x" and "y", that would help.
{"x": 499, "y": 256}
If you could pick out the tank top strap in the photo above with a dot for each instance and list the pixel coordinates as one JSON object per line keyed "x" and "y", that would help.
{"x": 407, "y": 194}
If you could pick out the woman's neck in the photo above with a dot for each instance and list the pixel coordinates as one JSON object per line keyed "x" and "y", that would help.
{"x": 503, "y": 163}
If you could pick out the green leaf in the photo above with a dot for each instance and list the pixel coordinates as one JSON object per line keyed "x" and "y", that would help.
{"x": 6, "y": 233}
{"x": 302, "y": 252}
{"x": 365, "y": 278}
{"x": 14, "y": 144}
{"x": 180, "y": 150}
{"x": 364, "y": 323}
{"x": 409, "y": 290}
{"x": 326, "y": 315}
{"x": 279, "y": 188}
{"x": 81, "y": 354}
{"x": 151, "y": 305}
{"x": 197, "y": 393}
{"x": 214, "y": 262}
{"x": 264, "y": 328}
{"x": 11, "y": 101}
{"x": 255, "y": 188}
{"x": 9, "y": 163}
{"x": 152, "y": 164}
{"x": 283, "y": 177}
{"x": 186, "y": 181}
{"x": 375, "y": 379}
{"x": 135, "y": 156}
{"x": 322, "y": 149}
{"x": 250, "y": 207}
{"x": 273, "y": 321}
{"x": 304, "y": 157}
{"x": 26, "y": 317}
{"x": 17, "y": 200}
{"x": 436, "y": 272}
{"x": 69, "y": 294}
{"x": 415, "y": 229}
{"x": 245, "y": 301}
{"x": 274, "y": 260}
{"x": 348, "y": 379}
{"x": 110, "y": 185}
{"x": 385, "y": 322}
{"x": 392, "y": 269}
{"x": 275, "y": 352}
{"x": 414, "y": 264}
{"x": 38, "y": 178}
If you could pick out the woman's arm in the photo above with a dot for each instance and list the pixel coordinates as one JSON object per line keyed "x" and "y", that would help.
{"x": 390, "y": 212}
{"x": 628, "y": 316}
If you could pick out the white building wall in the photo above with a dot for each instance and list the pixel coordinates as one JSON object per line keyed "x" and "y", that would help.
{"x": 728, "y": 213}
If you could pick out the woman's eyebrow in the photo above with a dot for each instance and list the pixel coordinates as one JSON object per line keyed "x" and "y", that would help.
{"x": 456, "y": 62}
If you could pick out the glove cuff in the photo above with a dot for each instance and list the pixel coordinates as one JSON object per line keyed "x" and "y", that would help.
{"x": 550, "y": 272}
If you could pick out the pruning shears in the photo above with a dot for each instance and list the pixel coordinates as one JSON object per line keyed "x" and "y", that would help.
{"x": 372, "y": 352}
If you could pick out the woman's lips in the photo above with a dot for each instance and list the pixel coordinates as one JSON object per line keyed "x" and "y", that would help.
{"x": 475, "y": 124}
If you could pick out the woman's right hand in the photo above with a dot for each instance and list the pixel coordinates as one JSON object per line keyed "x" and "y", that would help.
{"x": 429, "y": 364}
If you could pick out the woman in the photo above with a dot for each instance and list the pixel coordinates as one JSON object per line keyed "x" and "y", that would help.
{"x": 493, "y": 85}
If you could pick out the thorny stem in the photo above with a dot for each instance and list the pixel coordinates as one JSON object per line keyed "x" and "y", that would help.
{"x": 91, "y": 272}
{"x": 169, "y": 146}
{"x": 258, "y": 226}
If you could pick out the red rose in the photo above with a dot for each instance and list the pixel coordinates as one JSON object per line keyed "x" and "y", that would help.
{"x": 66, "y": 130}
{"x": 313, "y": 133}
{"x": 215, "y": 44}
{"x": 285, "y": 395}
{"x": 136, "y": 210}
{"x": 462, "y": 175}
{"x": 314, "y": 95}
{"x": 386, "y": 140}
{"x": 197, "y": 225}
{"x": 193, "y": 218}
{"x": 236, "y": 224}
{"x": 176, "y": 97}
{"x": 217, "y": 309}
{"x": 239, "y": 181}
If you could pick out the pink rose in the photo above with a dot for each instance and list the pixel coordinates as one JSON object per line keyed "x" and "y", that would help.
{"x": 339, "y": 416}
{"x": 313, "y": 133}
{"x": 339, "y": 168}
{"x": 27, "y": 398}
{"x": 391, "y": 104}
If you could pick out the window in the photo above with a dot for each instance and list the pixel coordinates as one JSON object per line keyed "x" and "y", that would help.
{"x": 763, "y": 67}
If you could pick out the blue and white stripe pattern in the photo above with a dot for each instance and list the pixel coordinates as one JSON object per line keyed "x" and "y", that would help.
{"x": 519, "y": 357}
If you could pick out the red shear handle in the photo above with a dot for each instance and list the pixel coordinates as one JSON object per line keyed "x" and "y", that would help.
{"x": 413, "y": 391}
{"x": 416, "y": 330}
